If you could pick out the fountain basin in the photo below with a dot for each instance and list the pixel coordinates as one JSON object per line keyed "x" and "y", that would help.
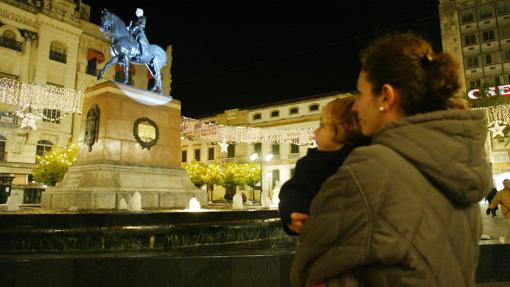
{"x": 147, "y": 231}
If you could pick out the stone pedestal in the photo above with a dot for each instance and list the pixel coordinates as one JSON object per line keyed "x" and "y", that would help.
{"x": 116, "y": 165}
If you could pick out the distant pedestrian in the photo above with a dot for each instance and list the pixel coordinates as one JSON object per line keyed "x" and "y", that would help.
{"x": 502, "y": 198}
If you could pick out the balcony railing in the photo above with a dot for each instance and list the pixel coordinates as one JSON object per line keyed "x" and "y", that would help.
{"x": 11, "y": 44}
{"x": 59, "y": 57}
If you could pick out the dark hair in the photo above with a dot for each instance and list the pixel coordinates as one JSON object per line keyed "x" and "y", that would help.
{"x": 427, "y": 81}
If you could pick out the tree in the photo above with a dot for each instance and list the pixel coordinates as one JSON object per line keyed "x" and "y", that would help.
{"x": 232, "y": 177}
{"x": 196, "y": 171}
{"x": 252, "y": 174}
{"x": 213, "y": 176}
{"x": 52, "y": 166}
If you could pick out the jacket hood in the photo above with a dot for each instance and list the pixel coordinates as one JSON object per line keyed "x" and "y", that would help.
{"x": 447, "y": 147}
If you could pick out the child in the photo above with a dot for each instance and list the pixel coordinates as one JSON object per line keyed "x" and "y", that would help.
{"x": 337, "y": 135}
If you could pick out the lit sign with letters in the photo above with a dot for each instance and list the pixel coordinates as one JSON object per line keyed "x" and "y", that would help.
{"x": 503, "y": 90}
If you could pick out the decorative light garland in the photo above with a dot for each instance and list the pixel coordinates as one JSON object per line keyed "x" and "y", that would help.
{"x": 197, "y": 130}
{"x": 28, "y": 96}
{"x": 498, "y": 119}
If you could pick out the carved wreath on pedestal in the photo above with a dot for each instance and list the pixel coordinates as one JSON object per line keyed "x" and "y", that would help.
{"x": 146, "y": 132}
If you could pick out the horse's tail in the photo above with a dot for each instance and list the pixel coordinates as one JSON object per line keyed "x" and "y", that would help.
{"x": 159, "y": 54}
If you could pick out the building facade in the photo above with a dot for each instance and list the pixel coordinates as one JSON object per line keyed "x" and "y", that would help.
{"x": 477, "y": 34}
{"x": 52, "y": 42}
{"x": 295, "y": 114}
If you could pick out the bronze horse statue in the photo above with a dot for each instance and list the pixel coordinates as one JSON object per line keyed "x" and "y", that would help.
{"x": 125, "y": 50}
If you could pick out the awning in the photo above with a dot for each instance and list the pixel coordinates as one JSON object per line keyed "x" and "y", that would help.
{"x": 95, "y": 54}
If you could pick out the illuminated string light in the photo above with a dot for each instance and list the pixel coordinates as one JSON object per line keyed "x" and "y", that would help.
{"x": 38, "y": 97}
{"x": 197, "y": 130}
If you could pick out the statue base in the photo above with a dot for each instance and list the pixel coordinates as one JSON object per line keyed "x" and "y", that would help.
{"x": 114, "y": 163}
{"x": 103, "y": 185}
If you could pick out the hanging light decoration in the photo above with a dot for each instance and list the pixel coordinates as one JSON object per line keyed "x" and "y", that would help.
{"x": 31, "y": 99}
{"x": 197, "y": 130}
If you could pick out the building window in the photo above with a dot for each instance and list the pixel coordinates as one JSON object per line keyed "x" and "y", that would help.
{"x": 276, "y": 177}
{"x": 197, "y": 154}
{"x": 119, "y": 77}
{"x": 504, "y": 31}
{"x": 468, "y": 17}
{"x": 497, "y": 81}
{"x": 503, "y": 7}
{"x": 257, "y": 117}
{"x": 485, "y": 12}
{"x": 294, "y": 148}
{"x": 3, "y": 155}
{"x": 257, "y": 147}
{"x": 313, "y": 108}
{"x": 231, "y": 151}
{"x": 472, "y": 61}
{"x": 469, "y": 39}
{"x": 293, "y": 111}
{"x": 58, "y": 52}
{"x": 51, "y": 115}
{"x": 43, "y": 146}
{"x": 8, "y": 40}
{"x": 488, "y": 35}
{"x": 275, "y": 114}
{"x": 275, "y": 149}
{"x": 474, "y": 84}
{"x": 491, "y": 59}
{"x": 488, "y": 59}
{"x": 150, "y": 83}
{"x": 210, "y": 153}
{"x": 92, "y": 67}
{"x": 184, "y": 156}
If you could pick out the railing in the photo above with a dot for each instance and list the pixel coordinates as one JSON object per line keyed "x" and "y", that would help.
{"x": 59, "y": 57}
{"x": 294, "y": 155}
{"x": 11, "y": 44}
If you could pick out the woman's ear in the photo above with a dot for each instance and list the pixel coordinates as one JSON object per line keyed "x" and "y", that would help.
{"x": 389, "y": 97}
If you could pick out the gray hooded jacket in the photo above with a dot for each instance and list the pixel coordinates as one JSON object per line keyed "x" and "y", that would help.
{"x": 403, "y": 211}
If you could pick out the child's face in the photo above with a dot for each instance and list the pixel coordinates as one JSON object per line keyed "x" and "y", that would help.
{"x": 324, "y": 135}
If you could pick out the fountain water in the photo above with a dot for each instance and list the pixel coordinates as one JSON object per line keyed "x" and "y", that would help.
{"x": 194, "y": 205}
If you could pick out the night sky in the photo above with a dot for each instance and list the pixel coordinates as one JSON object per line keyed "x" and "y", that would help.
{"x": 241, "y": 54}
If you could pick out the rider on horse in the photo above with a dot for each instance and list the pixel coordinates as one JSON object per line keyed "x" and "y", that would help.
{"x": 136, "y": 29}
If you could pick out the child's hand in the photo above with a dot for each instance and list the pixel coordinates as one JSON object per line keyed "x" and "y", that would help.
{"x": 297, "y": 221}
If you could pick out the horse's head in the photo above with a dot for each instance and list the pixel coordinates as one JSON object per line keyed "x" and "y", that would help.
{"x": 106, "y": 21}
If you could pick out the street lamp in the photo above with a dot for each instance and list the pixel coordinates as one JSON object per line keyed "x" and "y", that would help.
{"x": 253, "y": 157}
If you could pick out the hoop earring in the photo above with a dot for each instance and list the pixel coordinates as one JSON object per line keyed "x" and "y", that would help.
{"x": 382, "y": 109}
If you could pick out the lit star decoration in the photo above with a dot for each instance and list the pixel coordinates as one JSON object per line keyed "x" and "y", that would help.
{"x": 497, "y": 130}
{"x": 28, "y": 119}
{"x": 223, "y": 146}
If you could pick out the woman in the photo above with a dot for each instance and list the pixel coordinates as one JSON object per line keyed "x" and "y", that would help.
{"x": 403, "y": 211}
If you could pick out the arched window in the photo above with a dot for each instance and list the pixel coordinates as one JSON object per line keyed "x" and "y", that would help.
{"x": 58, "y": 52}
{"x": 43, "y": 146}
{"x": 8, "y": 34}
{"x": 8, "y": 40}
{"x": 3, "y": 154}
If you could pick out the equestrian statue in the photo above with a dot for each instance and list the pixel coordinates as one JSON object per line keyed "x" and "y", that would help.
{"x": 130, "y": 45}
